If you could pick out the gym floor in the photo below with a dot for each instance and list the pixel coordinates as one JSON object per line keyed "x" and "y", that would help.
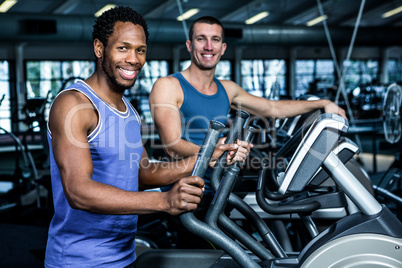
{"x": 23, "y": 231}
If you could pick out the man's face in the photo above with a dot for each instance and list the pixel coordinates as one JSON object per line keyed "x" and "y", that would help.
{"x": 207, "y": 46}
{"x": 124, "y": 55}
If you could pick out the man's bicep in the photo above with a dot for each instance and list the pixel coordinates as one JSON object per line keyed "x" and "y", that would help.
{"x": 69, "y": 124}
{"x": 165, "y": 111}
{"x": 168, "y": 123}
{"x": 163, "y": 95}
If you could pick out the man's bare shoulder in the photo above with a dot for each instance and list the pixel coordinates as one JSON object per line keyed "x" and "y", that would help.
{"x": 168, "y": 78}
{"x": 232, "y": 89}
{"x": 167, "y": 82}
{"x": 68, "y": 99}
{"x": 166, "y": 89}
{"x": 229, "y": 84}
{"x": 69, "y": 105}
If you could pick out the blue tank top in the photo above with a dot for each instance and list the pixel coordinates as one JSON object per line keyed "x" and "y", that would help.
{"x": 196, "y": 112}
{"x": 198, "y": 109}
{"x": 79, "y": 238}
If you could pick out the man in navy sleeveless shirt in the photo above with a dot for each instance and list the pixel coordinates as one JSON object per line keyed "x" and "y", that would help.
{"x": 98, "y": 163}
{"x": 182, "y": 103}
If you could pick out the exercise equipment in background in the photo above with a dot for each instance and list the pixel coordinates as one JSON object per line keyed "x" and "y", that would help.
{"x": 389, "y": 188}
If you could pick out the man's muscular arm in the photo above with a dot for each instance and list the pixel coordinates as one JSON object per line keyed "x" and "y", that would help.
{"x": 275, "y": 109}
{"x": 164, "y": 101}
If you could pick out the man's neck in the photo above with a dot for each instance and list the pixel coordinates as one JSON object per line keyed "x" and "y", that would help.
{"x": 105, "y": 92}
{"x": 202, "y": 80}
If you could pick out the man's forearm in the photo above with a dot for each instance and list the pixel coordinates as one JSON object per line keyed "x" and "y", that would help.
{"x": 158, "y": 174}
{"x": 182, "y": 149}
{"x": 291, "y": 108}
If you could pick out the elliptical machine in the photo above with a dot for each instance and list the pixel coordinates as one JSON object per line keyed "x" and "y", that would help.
{"x": 372, "y": 236}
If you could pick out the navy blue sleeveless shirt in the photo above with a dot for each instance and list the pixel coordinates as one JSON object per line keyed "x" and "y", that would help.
{"x": 198, "y": 109}
{"x": 196, "y": 112}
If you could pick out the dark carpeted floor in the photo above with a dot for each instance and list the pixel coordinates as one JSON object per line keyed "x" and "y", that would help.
{"x": 23, "y": 235}
{"x": 22, "y": 245}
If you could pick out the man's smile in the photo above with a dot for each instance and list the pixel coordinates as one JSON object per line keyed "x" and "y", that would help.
{"x": 127, "y": 74}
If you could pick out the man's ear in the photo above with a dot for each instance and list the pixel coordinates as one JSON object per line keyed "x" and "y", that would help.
{"x": 98, "y": 48}
{"x": 223, "y": 49}
{"x": 188, "y": 45}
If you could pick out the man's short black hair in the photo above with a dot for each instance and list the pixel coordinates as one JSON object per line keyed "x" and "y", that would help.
{"x": 206, "y": 19}
{"x": 104, "y": 24}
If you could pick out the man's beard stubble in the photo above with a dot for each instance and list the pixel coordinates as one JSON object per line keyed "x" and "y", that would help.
{"x": 112, "y": 79}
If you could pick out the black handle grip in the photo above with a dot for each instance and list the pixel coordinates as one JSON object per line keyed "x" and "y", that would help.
{"x": 204, "y": 155}
{"x": 234, "y": 131}
{"x": 202, "y": 229}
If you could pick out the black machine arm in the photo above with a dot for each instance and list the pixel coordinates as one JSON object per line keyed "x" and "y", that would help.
{"x": 202, "y": 229}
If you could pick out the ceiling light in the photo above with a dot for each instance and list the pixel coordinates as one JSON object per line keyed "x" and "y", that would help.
{"x": 392, "y": 12}
{"x": 188, "y": 14}
{"x": 316, "y": 20}
{"x": 257, "y": 17}
{"x": 66, "y": 7}
{"x": 6, "y": 5}
{"x": 103, "y": 9}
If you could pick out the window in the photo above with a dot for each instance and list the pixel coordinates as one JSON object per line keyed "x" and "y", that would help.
{"x": 264, "y": 78}
{"x": 314, "y": 77}
{"x": 139, "y": 93}
{"x": 47, "y": 78}
{"x": 5, "y": 120}
{"x": 360, "y": 73}
{"x": 223, "y": 70}
{"x": 394, "y": 70}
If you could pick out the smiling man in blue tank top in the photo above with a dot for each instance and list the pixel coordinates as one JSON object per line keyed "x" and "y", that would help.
{"x": 98, "y": 163}
{"x": 181, "y": 104}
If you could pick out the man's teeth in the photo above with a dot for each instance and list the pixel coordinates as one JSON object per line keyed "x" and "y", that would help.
{"x": 127, "y": 72}
{"x": 208, "y": 56}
